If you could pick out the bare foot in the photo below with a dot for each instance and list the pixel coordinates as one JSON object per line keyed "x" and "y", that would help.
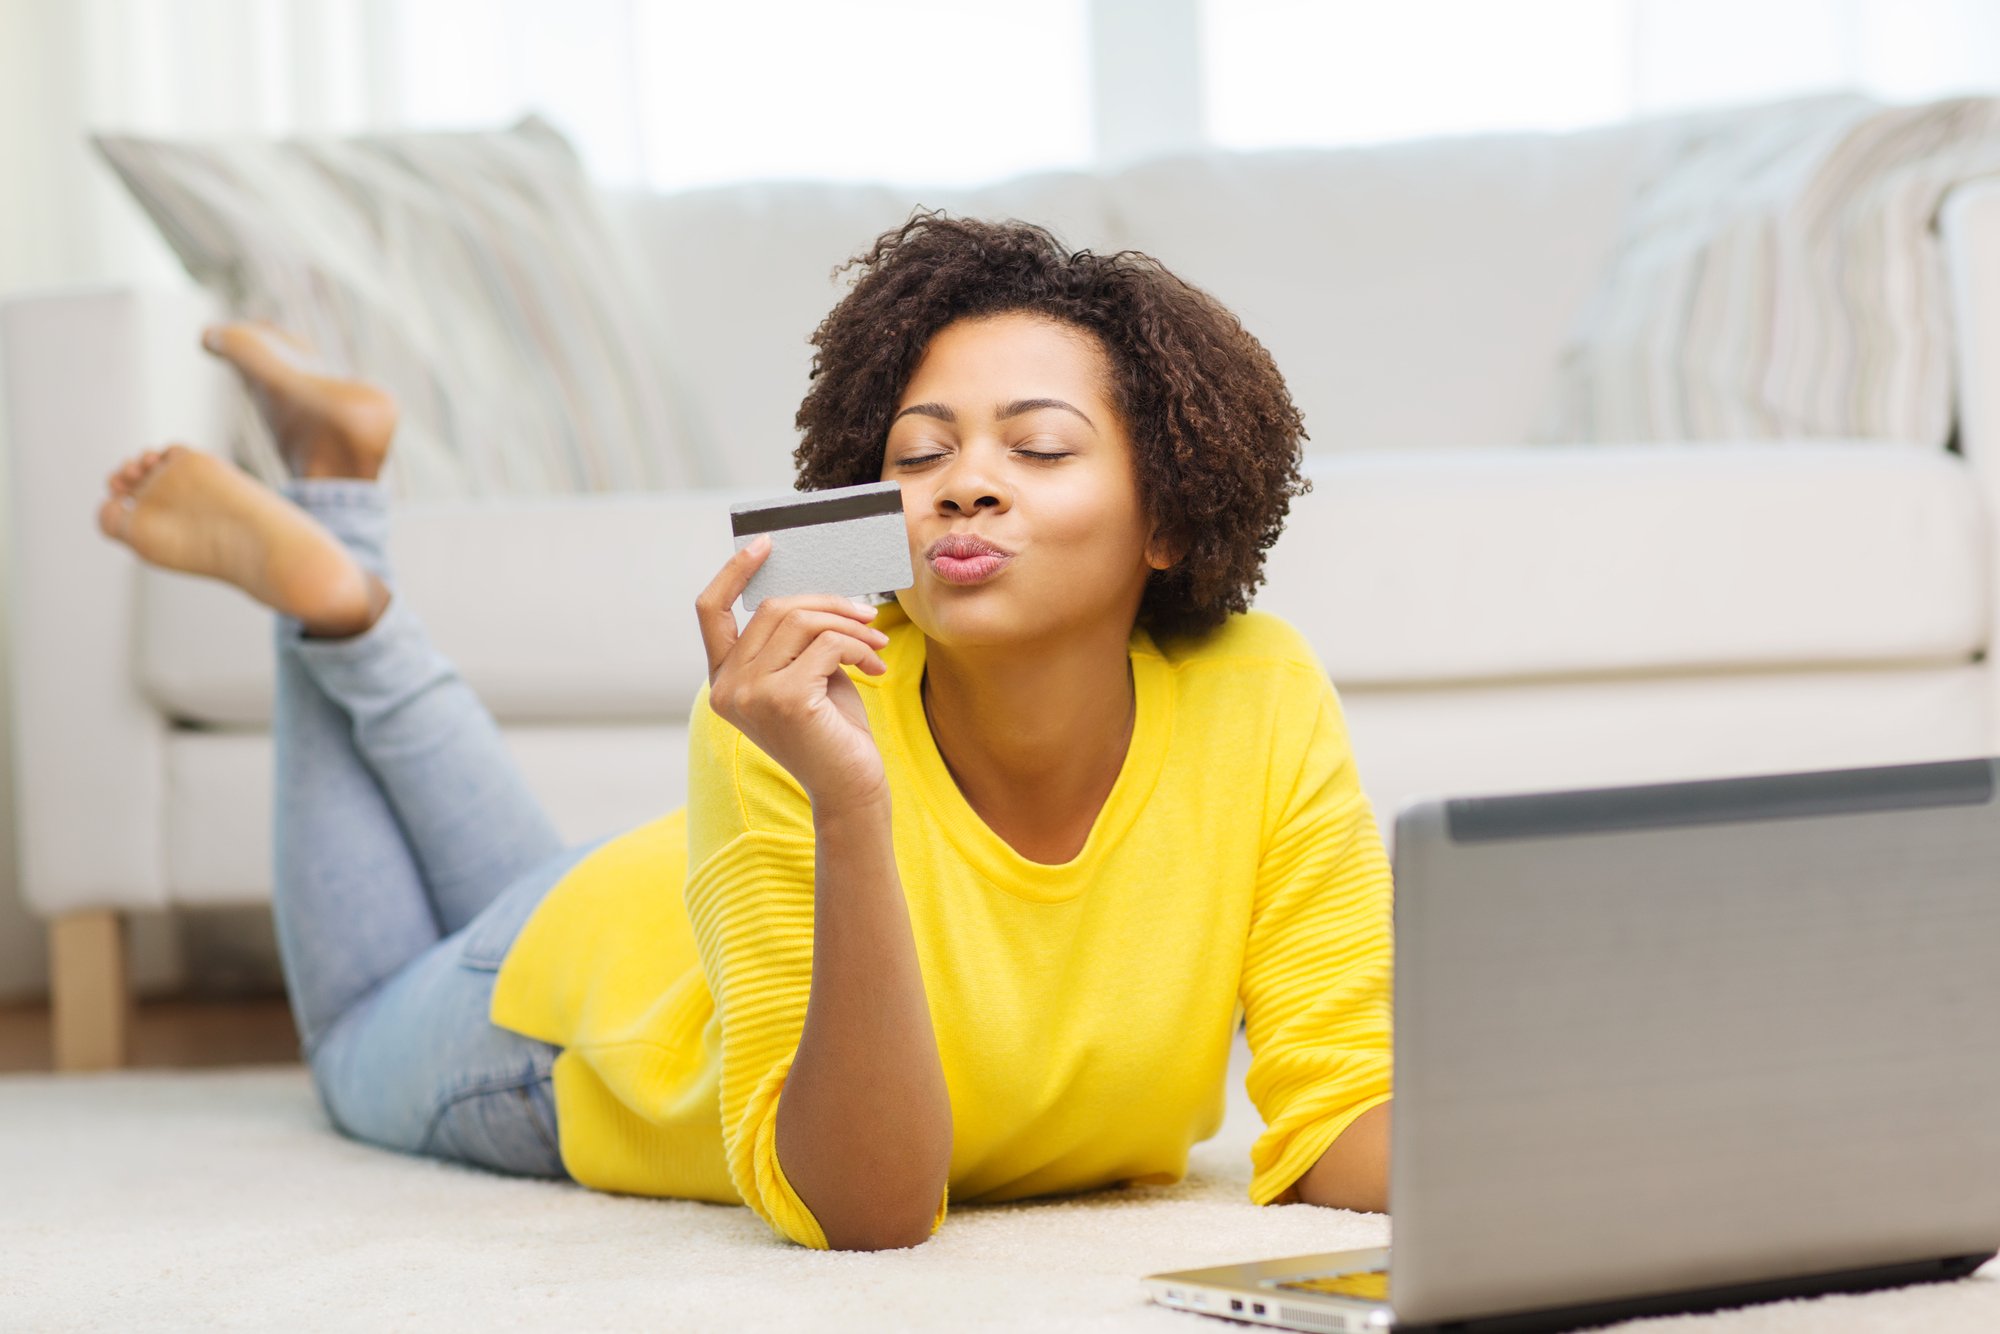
{"x": 326, "y": 425}
{"x": 184, "y": 509}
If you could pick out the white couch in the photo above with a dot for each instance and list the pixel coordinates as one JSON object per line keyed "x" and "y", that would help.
{"x": 1498, "y": 617}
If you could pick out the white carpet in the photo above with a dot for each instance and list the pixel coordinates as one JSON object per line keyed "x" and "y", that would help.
{"x": 171, "y": 1199}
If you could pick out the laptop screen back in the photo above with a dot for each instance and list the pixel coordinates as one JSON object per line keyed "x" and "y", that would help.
{"x": 1664, "y": 1037}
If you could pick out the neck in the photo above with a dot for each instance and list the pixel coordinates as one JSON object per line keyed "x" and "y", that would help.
{"x": 1031, "y": 731}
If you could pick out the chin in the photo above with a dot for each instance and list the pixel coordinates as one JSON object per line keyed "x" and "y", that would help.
{"x": 980, "y": 620}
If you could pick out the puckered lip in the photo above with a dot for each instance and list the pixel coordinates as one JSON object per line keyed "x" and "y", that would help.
{"x": 963, "y": 546}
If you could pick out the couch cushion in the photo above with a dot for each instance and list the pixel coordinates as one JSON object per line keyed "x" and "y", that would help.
{"x": 1538, "y": 561}
{"x": 1449, "y": 565}
{"x": 1414, "y": 295}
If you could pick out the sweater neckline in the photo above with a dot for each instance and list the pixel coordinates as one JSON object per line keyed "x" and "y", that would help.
{"x": 993, "y": 856}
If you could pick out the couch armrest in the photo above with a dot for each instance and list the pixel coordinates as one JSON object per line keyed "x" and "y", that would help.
{"x": 91, "y": 375}
{"x": 1969, "y": 224}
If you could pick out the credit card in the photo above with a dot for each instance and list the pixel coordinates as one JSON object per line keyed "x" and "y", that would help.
{"x": 849, "y": 541}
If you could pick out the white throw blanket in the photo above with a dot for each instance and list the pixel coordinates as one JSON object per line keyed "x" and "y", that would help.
{"x": 1780, "y": 278}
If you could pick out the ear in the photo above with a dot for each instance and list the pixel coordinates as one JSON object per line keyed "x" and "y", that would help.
{"x": 1163, "y": 553}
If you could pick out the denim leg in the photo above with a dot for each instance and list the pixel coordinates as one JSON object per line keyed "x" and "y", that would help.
{"x": 471, "y": 819}
{"x": 389, "y": 981}
{"x": 417, "y": 1065}
{"x": 347, "y": 898}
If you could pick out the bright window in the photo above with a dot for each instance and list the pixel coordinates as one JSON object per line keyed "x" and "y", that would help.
{"x": 905, "y": 91}
{"x": 1308, "y": 72}
{"x": 1303, "y": 72}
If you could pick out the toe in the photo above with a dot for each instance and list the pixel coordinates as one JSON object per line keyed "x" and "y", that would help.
{"x": 149, "y": 467}
{"x": 290, "y": 339}
{"x": 232, "y": 340}
{"x": 241, "y": 344}
{"x": 261, "y": 351}
{"x": 225, "y": 340}
{"x": 114, "y": 517}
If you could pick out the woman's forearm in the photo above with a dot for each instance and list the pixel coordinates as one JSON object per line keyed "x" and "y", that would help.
{"x": 864, "y": 1121}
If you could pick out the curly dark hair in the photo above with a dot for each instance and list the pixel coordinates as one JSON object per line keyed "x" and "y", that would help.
{"x": 1216, "y": 437}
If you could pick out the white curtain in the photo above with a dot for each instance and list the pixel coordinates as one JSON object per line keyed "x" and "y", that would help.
{"x": 266, "y": 67}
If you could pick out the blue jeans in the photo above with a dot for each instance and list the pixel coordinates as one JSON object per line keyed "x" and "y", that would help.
{"x": 408, "y": 852}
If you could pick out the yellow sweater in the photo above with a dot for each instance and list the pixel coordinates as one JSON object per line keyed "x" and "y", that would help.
{"x": 1083, "y": 1012}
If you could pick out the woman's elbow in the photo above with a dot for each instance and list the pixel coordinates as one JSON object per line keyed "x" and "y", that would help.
{"x": 896, "y": 1237}
{"x": 1353, "y": 1173}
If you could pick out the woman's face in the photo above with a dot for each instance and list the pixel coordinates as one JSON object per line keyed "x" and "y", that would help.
{"x": 1006, "y": 433}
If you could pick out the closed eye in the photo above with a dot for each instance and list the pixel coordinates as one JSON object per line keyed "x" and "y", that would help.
{"x": 927, "y": 458}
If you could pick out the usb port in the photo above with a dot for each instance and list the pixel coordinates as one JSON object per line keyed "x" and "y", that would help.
{"x": 1257, "y": 1308}
{"x": 1235, "y": 1305}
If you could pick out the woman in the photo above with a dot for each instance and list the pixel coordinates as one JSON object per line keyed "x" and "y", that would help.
{"x": 970, "y": 889}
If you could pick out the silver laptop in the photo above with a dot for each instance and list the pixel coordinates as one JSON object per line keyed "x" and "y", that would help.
{"x": 1676, "y": 1047}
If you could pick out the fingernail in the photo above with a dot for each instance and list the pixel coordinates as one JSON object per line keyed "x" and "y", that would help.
{"x": 758, "y": 544}
{"x": 211, "y": 340}
{"x": 867, "y": 609}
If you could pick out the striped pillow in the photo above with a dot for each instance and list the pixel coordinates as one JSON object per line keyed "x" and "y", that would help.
{"x": 474, "y": 275}
{"x": 1780, "y": 278}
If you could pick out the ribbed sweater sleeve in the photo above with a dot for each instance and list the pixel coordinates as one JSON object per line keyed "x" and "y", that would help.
{"x": 750, "y": 905}
{"x": 749, "y": 902}
{"x": 1315, "y": 985}
{"x": 751, "y": 908}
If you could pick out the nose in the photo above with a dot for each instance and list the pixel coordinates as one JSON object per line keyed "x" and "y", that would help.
{"x": 967, "y": 486}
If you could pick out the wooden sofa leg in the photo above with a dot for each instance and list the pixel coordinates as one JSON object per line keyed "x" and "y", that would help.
{"x": 90, "y": 998}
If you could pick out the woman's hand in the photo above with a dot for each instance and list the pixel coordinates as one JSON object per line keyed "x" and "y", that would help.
{"x": 779, "y": 682}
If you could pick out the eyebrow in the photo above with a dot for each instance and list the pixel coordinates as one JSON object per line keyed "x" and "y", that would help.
{"x": 1006, "y": 410}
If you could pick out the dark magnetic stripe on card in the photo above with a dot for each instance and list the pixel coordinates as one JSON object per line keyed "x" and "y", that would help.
{"x": 805, "y": 513}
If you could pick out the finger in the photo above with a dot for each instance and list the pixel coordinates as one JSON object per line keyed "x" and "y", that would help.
{"x": 824, "y": 655}
{"x": 773, "y": 614}
{"x": 794, "y": 632}
{"x": 714, "y": 605}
